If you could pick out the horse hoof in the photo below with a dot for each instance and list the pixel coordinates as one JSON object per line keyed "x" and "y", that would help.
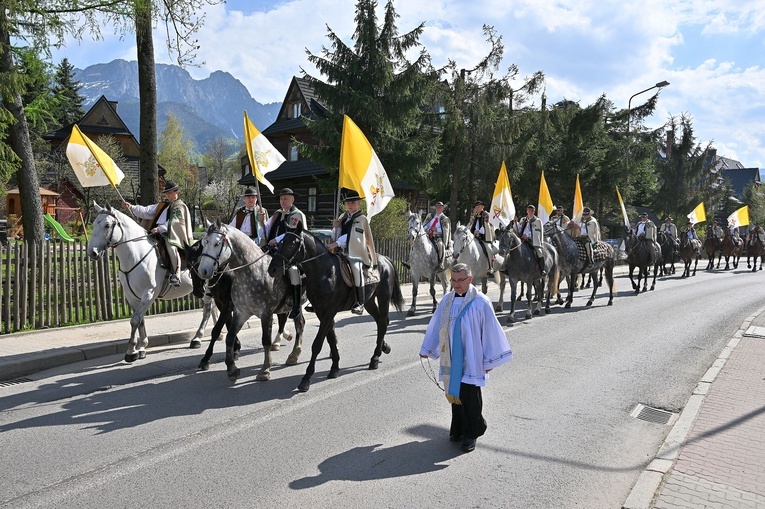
{"x": 292, "y": 360}
{"x": 203, "y": 366}
{"x": 263, "y": 377}
{"x": 142, "y": 354}
{"x": 233, "y": 374}
{"x": 195, "y": 343}
{"x": 589, "y": 303}
{"x": 386, "y": 348}
{"x": 304, "y": 385}
{"x": 547, "y": 311}
{"x": 498, "y": 309}
{"x": 287, "y": 336}
{"x": 410, "y": 312}
{"x": 536, "y": 312}
{"x": 610, "y": 303}
{"x": 568, "y": 305}
{"x": 275, "y": 347}
{"x": 510, "y": 319}
{"x": 374, "y": 363}
{"x": 131, "y": 357}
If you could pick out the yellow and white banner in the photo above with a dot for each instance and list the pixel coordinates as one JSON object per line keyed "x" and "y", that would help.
{"x": 624, "y": 209}
{"x": 92, "y": 166}
{"x": 576, "y": 212}
{"x": 740, "y": 217}
{"x": 698, "y": 215}
{"x": 361, "y": 170}
{"x": 264, "y": 158}
{"x": 502, "y": 206}
{"x": 545, "y": 205}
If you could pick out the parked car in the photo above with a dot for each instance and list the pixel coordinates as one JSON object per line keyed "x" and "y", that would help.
{"x": 323, "y": 234}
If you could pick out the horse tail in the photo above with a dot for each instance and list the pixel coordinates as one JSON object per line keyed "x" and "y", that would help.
{"x": 609, "y": 266}
{"x": 554, "y": 280}
{"x": 396, "y": 297}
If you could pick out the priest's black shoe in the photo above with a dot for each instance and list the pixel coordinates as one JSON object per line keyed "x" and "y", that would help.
{"x": 468, "y": 444}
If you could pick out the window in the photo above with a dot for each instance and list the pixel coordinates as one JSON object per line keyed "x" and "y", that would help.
{"x": 292, "y": 152}
{"x": 311, "y": 199}
{"x": 297, "y": 109}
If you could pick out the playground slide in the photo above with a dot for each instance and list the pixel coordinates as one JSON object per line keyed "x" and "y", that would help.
{"x": 59, "y": 229}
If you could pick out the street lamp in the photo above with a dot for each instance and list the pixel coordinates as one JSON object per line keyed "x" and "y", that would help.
{"x": 660, "y": 84}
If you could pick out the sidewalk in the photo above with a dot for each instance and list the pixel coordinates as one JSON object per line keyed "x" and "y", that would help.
{"x": 714, "y": 456}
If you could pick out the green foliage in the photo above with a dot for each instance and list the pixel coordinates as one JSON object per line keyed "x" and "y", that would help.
{"x": 754, "y": 197}
{"x": 67, "y": 93}
{"x": 391, "y": 223}
{"x": 390, "y": 98}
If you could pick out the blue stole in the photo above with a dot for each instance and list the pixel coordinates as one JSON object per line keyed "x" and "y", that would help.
{"x": 458, "y": 355}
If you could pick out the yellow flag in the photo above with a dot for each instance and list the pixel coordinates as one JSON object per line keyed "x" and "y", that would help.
{"x": 264, "y": 158}
{"x": 502, "y": 206}
{"x": 91, "y": 164}
{"x": 698, "y": 215}
{"x": 740, "y": 217}
{"x": 545, "y": 206}
{"x": 624, "y": 210}
{"x": 576, "y": 212}
{"x": 361, "y": 170}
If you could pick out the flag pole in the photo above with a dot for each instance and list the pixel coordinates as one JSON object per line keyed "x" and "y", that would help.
{"x": 123, "y": 200}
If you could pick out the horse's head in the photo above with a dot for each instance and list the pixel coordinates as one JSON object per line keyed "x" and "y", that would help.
{"x": 507, "y": 240}
{"x": 107, "y": 231}
{"x": 551, "y": 229}
{"x": 289, "y": 252}
{"x": 216, "y": 250}
{"x": 193, "y": 254}
{"x": 462, "y": 238}
{"x": 415, "y": 226}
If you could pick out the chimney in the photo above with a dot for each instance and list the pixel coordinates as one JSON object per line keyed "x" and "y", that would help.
{"x": 113, "y": 104}
{"x": 670, "y": 142}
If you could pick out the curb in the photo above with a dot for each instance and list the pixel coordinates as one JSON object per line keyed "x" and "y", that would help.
{"x": 648, "y": 484}
{"x": 29, "y": 364}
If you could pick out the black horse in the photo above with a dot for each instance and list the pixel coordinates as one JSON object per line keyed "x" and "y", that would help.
{"x": 329, "y": 295}
{"x": 668, "y": 253}
{"x": 712, "y": 245}
{"x": 690, "y": 250}
{"x": 755, "y": 248}
{"x": 643, "y": 255}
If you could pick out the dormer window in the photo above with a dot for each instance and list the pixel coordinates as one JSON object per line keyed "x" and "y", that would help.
{"x": 292, "y": 152}
{"x": 296, "y": 110}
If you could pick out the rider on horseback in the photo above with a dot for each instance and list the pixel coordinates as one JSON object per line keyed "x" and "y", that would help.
{"x": 559, "y": 218}
{"x": 439, "y": 230}
{"x": 169, "y": 218}
{"x": 670, "y": 229}
{"x": 756, "y": 232}
{"x": 645, "y": 230}
{"x": 480, "y": 227}
{"x": 734, "y": 235}
{"x": 287, "y": 219}
{"x": 250, "y": 218}
{"x": 530, "y": 229}
{"x": 352, "y": 234}
{"x": 717, "y": 230}
{"x": 589, "y": 232}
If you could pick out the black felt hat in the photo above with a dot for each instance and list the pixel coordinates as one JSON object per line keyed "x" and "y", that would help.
{"x": 586, "y": 210}
{"x": 170, "y": 186}
{"x": 477, "y": 202}
{"x": 288, "y": 191}
{"x": 351, "y": 195}
{"x": 439, "y": 204}
{"x": 250, "y": 192}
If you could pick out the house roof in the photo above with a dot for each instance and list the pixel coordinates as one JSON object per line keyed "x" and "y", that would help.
{"x": 302, "y": 89}
{"x": 43, "y": 192}
{"x": 741, "y": 177}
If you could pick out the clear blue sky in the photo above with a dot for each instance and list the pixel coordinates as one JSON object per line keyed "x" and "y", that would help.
{"x": 710, "y": 51}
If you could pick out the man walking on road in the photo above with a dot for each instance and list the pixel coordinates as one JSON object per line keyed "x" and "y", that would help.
{"x": 465, "y": 334}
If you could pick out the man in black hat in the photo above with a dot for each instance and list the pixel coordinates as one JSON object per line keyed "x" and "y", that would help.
{"x": 352, "y": 234}
{"x": 670, "y": 229}
{"x": 645, "y": 228}
{"x": 480, "y": 227}
{"x": 439, "y": 230}
{"x": 250, "y": 218}
{"x": 530, "y": 230}
{"x": 589, "y": 232}
{"x": 171, "y": 219}
{"x": 560, "y": 219}
{"x": 287, "y": 219}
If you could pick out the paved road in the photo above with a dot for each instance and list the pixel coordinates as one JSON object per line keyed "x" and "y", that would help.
{"x": 160, "y": 434}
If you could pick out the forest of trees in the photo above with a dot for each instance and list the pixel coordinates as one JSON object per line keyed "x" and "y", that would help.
{"x": 446, "y": 130}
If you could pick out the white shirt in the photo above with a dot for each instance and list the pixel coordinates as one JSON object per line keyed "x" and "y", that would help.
{"x": 437, "y": 225}
{"x": 148, "y": 211}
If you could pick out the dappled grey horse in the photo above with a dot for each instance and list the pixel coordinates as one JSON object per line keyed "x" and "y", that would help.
{"x": 467, "y": 250}
{"x": 423, "y": 262}
{"x": 143, "y": 279}
{"x": 571, "y": 264}
{"x": 520, "y": 264}
{"x": 254, "y": 292}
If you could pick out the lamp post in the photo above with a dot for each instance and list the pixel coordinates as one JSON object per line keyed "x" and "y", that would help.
{"x": 660, "y": 84}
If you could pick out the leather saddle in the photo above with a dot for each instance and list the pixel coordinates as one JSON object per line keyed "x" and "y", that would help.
{"x": 370, "y": 275}
{"x": 163, "y": 254}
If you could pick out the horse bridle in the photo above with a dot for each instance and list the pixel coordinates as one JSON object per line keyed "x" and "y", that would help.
{"x": 216, "y": 259}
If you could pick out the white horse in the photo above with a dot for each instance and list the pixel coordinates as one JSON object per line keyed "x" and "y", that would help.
{"x": 468, "y": 250}
{"x": 423, "y": 262}
{"x": 142, "y": 278}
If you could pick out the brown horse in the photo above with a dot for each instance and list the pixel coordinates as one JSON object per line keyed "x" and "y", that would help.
{"x": 731, "y": 248}
{"x": 712, "y": 247}
{"x": 755, "y": 248}
{"x": 689, "y": 251}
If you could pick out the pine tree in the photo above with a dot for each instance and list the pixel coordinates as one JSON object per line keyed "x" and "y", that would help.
{"x": 67, "y": 92}
{"x": 390, "y": 98}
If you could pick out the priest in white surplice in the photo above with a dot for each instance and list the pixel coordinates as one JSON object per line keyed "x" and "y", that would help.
{"x": 469, "y": 341}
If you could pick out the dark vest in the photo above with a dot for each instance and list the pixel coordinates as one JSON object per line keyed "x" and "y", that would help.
{"x": 162, "y": 206}
{"x": 241, "y": 215}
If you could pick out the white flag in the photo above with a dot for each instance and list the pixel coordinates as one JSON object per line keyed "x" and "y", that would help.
{"x": 264, "y": 158}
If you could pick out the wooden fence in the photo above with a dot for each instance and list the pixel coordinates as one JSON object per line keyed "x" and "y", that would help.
{"x": 55, "y": 284}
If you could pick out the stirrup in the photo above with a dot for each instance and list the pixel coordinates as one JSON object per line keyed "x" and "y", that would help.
{"x": 173, "y": 280}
